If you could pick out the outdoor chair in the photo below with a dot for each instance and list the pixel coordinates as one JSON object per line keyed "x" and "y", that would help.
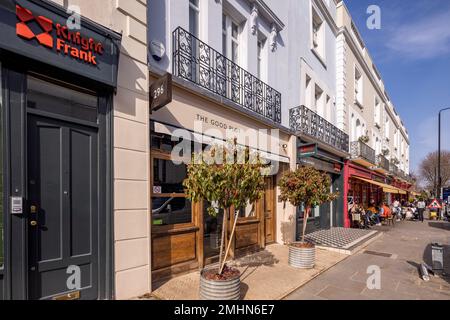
{"x": 357, "y": 221}
{"x": 390, "y": 220}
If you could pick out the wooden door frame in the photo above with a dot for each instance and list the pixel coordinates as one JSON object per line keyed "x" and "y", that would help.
{"x": 273, "y": 211}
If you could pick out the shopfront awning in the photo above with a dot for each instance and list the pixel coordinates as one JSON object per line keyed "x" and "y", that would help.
{"x": 386, "y": 188}
{"x": 198, "y": 137}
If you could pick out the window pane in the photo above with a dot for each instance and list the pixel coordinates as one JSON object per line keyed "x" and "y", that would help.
{"x": 247, "y": 212}
{"x": 212, "y": 232}
{"x": 224, "y": 45}
{"x": 193, "y": 21}
{"x": 169, "y": 211}
{"x": 1, "y": 174}
{"x": 234, "y": 30}
{"x": 259, "y": 58}
{"x": 168, "y": 177}
{"x": 50, "y": 97}
{"x": 235, "y": 52}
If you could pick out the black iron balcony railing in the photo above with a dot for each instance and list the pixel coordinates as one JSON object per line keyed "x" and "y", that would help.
{"x": 359, "y": 149}
{"x": 393, "y": 169}
{"x": 197, "y": 62}
{"x": 307, "y": 122}
{"x": 403, "y": 175}
{"x": 382, "y": 162}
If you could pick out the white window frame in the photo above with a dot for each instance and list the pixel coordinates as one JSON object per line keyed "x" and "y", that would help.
{"x": 317, "y": 34}
{"x": 328, "y": 113}
{"x": 224, "y": 36}
{"x": 230, "y": 39}
{"x": 358, "y": 83}
{"x": 319, "y": 105}
{"x": 235, "y": 55}
{"x": 377, "y": 112}
{"x": 308, "y": 91}
{"x": 261, "y": 68}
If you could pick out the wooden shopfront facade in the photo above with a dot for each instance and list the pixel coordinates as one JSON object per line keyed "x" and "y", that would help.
{"x": 184, "y": 236}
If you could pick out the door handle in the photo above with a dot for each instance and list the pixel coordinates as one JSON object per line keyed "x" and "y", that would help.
{"x": 33, "y": 223}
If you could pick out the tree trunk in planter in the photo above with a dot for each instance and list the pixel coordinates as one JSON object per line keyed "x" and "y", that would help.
{"x": 223, "y": 283}
{"x": 302, "y": 255}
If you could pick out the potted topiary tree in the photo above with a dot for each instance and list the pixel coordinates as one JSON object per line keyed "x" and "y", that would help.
{"x": 230, "y": 177}
{"x": 364, "y": 139}
{"x": 311, "y": 188}
{"x": 395, "y": 161}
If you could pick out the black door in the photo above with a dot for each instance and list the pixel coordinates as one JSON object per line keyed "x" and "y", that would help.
{"x": 62, "y": 209}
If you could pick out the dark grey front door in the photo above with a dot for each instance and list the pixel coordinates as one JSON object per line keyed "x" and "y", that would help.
{"x": 62, "y": 209}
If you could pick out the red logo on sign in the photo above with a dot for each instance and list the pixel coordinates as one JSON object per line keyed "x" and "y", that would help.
{"x": 68, "y": 43}
{"x": 23, "y": 30}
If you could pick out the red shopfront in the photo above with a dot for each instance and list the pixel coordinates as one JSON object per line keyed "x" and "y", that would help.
{"x": 363, "y": 185}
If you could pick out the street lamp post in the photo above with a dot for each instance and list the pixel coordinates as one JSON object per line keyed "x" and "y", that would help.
{"x": 439, "y": 184}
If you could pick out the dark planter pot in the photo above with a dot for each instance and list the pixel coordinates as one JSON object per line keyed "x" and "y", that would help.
{"x": 220, "y": 289}
{"x": 302, "y": 258}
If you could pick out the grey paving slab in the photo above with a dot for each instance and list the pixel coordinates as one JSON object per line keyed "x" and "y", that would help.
{"x": 314, "y": 287}
{"x": 337, "y": 293}
{"x": 386, "y": 294}
{"x": 408, "y": 245}
{"x": 304, "y": 296}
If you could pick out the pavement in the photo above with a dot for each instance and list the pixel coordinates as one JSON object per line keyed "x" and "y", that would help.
{"x": 398, "y": 254}
{"x": 266, "y": 275}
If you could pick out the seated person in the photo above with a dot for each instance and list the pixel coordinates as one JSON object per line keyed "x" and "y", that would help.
{"x": 387, "y": 211}
{"x": 354, "y": 213}
{"x": 410, "y": 214}
{"x": 370, "y": 212}
{"x": 376, "y": 216}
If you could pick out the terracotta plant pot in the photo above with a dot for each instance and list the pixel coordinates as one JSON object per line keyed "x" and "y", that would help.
{"x": 228, "y": 288}
{"x": 302, "y": 255}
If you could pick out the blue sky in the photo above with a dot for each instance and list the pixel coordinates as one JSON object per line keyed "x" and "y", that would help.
{"x": 412, "y": 52}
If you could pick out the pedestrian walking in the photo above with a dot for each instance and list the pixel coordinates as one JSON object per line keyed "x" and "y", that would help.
{"x": 421, "y": 205}
{"x": 397, "y": 209}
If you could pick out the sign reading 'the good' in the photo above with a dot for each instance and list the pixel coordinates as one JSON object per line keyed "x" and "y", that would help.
{"x": 161, "y": 92}
{"x": 39, "y": 30}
